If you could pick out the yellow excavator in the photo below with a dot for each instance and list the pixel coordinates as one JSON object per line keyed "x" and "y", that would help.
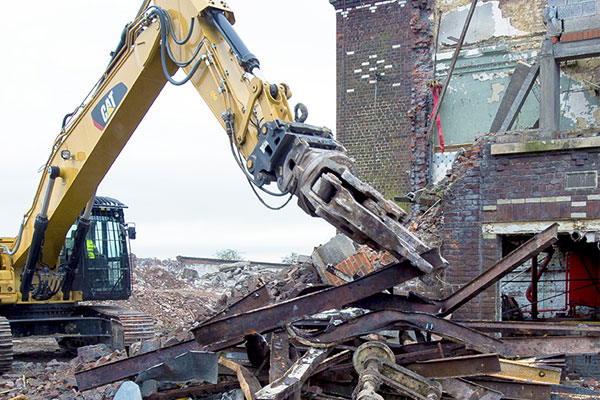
{"x": 73, "y": 245}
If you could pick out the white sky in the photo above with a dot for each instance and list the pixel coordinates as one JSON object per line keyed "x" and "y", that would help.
{"x": 184, "y": 191}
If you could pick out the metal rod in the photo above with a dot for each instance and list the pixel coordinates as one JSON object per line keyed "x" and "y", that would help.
{"x": 461, "y": 40}
{"x": 534, "y": 288}
{"x": 529, "y": 249}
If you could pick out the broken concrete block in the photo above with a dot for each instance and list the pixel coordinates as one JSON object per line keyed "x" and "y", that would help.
{"x": 128, "y": 391}
{"x": 143, "y": 346}
{"x": 189, "y": 274}
{"x": 339, "y": 248}
{"x": 149, "y": 387}
{"x": 92, "y": 353}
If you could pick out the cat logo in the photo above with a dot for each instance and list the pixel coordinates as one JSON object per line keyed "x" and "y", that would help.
{"x": 107, "y": 105}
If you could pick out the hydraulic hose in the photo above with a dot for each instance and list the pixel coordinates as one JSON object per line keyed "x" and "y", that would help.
{"x": 39, "y": 233}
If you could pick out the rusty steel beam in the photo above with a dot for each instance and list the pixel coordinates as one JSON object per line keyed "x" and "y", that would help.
{"x": 516, "y": 390}
{"x": 472, "y": 339}
{"x": 551, "y": 346}
{"x": 270, "y": 317}
{"x": 338, "y": 390}
{"x": 194, "y": 391}
{"x": 529, "y": 249}
{"x": 378, "y": 320}
{"x": 565, "y": 392}
{"x": 257, "y": 298}
{"x": 123, "y": 369}
{"x": 280, "y": 355}
{"x": 462, "y": 389}
{"x": 438, "y": 349}
{"x": 229, "y": 330}
{"x": 410, "y": 303}
{"x": 334, "y": 360}
{"x": 537, "y": 391}
{"x": 131, "y": 366}
{"x": 457, "y": 367}
{"x": 529, "y": 327}
{"x": 294, "y": 377}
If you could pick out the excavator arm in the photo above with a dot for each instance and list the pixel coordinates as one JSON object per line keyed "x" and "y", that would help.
{"x": 271, "y": 143}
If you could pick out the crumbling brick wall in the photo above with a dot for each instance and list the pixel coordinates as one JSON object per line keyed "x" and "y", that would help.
{"x": 383, "y": 59}
{"x": 533, "y": 188}
{"x": 464, "y": 247}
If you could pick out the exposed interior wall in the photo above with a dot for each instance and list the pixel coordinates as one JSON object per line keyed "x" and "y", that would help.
{"x": 495, "y": 192}
{"x": 501, "y": 34}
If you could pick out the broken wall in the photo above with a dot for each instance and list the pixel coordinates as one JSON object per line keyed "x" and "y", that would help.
{"x": 389, "y": 51}
{"x": 501, "y": 34}
{"x": 515, "y": 184}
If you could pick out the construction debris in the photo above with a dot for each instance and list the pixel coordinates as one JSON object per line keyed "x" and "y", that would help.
{"x": 290, "y": 336}
{"x": 354, "y": 340}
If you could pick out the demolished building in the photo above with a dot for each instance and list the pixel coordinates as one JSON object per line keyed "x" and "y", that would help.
{"x": 515, "y": 213}
{"x": 520, "y": 116}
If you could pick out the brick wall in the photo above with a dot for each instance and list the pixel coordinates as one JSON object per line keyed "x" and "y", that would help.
{"x": 535, "y": 187}
{"x": 574, "y": 8}
{"x": 379, "y": 45}
{"x": 516, "y": 188}
{"x": 462, "y": 234}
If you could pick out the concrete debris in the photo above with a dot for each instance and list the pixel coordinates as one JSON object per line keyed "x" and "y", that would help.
{"x": 398, "y": 345}
{"x": 177, "y": 293}
{"x": 128, "y": 391}
{"x": 274, "y": 333}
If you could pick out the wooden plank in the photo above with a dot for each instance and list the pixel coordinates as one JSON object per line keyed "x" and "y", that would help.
{"x": 248, "y": 382}
{"x": 520, "y": 85}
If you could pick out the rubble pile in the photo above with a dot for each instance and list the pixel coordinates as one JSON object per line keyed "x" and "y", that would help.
{"x": 55, "y": 379}
{"x": 358, "y": 340}
{"x": 176, "y": 295}
{"x": 269, "y": 334}
{"x": 159, "y": 291}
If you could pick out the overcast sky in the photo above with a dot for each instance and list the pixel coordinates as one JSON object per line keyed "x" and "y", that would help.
{"x": 184, "y": 191}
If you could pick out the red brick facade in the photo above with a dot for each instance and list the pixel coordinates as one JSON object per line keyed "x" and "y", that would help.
{"x": 384, "y": 61}
{"x": 529, "y": 187}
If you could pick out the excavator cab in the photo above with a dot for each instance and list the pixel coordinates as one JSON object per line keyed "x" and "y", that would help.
{"x": 104, "y": 268}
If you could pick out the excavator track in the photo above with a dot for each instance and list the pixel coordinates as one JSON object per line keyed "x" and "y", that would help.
{"x": 136, "y": 325}
{"x": 6, "y": 345}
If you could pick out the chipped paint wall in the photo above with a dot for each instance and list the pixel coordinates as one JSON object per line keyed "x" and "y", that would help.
{"x": 480, "y": 78}
{"x": 580, "y": 94}
{"x": 501, "y": 34}
{"x": 386, "y": 52}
